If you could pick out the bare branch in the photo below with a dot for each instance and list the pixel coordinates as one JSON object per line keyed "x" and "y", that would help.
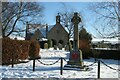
{"x": 107, "y": 15}
{"x": 14, "y": 12}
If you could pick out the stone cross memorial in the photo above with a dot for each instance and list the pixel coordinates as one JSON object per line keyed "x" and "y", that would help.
{"x": 75, "y": 58}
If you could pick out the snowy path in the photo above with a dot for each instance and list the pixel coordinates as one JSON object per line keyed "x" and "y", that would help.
{"x": 24, "y": 70}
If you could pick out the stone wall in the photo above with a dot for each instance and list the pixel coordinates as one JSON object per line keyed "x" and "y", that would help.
{"x": 59, "y": 34}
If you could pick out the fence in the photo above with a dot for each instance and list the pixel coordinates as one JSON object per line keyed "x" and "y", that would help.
{"x": 100, "y": 61}
{"x": 63, "y": 59}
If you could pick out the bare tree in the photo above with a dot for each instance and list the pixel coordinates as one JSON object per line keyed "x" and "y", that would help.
{"x": 15, "y": 14}
{"x": 107, "y": 18}
{"x": 66, "y": 15}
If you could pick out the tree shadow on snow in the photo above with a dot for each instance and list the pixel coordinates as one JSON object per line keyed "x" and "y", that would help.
{"x": 47, "y": 68}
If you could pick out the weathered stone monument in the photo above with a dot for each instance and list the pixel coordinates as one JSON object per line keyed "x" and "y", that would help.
{"x": 75, "y": 58}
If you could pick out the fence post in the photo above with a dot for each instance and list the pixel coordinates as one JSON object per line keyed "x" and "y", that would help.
{"x": 98, "y": 69}
{"x": 61, "y": 66}
{"x": 34, "y": 64}
{"x": 12, "y": 60}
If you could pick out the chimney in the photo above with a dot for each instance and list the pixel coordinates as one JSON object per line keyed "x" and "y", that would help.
{"x": 27, "y": 29}
{"x": 46, "y": 30}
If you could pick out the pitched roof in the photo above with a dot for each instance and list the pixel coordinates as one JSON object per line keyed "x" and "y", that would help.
{"x": 42, "y": 28}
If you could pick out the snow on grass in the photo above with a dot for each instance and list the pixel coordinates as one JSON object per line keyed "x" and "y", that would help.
{"x": 24, "y": 70}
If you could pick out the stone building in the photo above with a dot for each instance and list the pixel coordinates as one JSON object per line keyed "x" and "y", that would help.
{"x": 58, "y": 34}
{"x": 55, "y": 33}
{"x": 34, "y": 33}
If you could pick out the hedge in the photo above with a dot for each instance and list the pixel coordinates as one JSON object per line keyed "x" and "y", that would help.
{"x": 18, "y": 50}
{"x": 34, "y": 50}
{"x": 84, "y": 46}
{"x": 106, "y": 54}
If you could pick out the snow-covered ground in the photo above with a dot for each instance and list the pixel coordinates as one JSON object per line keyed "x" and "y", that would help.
{"x": 24, "y": 70}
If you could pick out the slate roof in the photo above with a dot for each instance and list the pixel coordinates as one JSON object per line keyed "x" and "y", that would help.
{"x": 42, "y": 28}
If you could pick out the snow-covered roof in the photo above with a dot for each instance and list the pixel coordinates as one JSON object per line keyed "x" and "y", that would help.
{"x": 18, "y": 37}
{"x": 111, "y": 40}
{"x": 43, "y": 39}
